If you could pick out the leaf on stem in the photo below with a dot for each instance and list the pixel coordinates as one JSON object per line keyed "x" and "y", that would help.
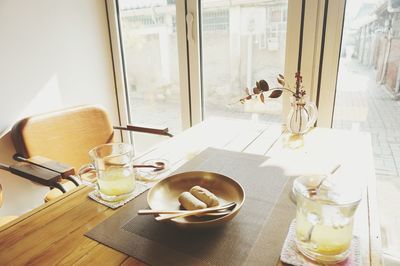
{"x": 262, "y": 98}
{"x": 263, "y": 85}
{"x": 256, "y": 90}
{"x": 275, "y": 94}
{"x": 281, "y": 81}
{"x": 281, "y": 76}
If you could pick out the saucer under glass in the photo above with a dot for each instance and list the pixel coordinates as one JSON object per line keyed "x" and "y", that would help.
{"x": 148, "y": 173}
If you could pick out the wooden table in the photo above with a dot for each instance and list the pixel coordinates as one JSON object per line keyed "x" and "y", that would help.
{"x": 54, "y": 232}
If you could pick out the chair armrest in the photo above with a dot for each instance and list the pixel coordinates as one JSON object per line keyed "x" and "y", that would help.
{"x": 149, "y": 130}
{"x": 56, "y": 192}
{"x": 36, "y": 174}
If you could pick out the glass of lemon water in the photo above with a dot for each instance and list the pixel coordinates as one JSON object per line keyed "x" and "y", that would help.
{"x": 324, "y": 217}
{"x": 113, "y": 164}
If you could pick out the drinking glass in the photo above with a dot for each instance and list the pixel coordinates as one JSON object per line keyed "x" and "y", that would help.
{"x": 113, "y": 164}
{"x": 324, "y": 217}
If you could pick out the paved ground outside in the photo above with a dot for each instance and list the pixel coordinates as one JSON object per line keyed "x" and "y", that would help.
{"x": 362, "y": 104}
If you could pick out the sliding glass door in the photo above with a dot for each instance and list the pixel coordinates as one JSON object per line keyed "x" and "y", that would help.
{"x": 150, "y": 50}
{"x": 185, "y": 61}
{"x": 241, "y": 42}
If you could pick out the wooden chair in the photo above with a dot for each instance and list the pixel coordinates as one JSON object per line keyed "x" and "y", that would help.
{"x": 4, "y": 219}
{"x": 67, "y": 136}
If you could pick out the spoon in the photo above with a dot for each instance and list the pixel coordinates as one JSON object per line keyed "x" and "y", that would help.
{"x": 158, "y": 166}
{"x": 313, "y": 191}
{"x": 229, "y": 206}
{"x": 215, "y": 213}
{"x": 312, "y": 217}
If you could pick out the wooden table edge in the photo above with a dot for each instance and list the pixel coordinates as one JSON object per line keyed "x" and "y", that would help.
{"x": 40, "y": 208}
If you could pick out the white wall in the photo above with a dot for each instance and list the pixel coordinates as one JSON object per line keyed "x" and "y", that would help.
{"x": 53, "y": 54}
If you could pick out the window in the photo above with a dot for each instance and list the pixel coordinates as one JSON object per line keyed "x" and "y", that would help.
{"x": 186, "y": 61}
{"x": 178, "y": 72}
{"x": 216, "y": 20}
{"x": 248, "y": 46}
{"x": 149, "y": 41}
{"x": 275, "y": 15}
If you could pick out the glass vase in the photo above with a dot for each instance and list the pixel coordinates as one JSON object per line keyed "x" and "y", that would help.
{"x": 302, "y": 115}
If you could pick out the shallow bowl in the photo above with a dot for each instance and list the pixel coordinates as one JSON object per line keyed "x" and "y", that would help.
{"x": 164, "y": 196}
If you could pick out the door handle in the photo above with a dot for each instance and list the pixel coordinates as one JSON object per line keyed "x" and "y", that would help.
{"x": 189, "y": 23}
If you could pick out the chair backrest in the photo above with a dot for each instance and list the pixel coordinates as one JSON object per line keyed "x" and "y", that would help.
{"x": 1, "y": 195}
{"x": 65, "y": 135}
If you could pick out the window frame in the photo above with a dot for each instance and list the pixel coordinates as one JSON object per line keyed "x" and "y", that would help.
{"x": 304, "y": 39}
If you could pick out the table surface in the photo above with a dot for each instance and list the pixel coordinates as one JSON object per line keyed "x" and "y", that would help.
{"x": 54, "y": 232}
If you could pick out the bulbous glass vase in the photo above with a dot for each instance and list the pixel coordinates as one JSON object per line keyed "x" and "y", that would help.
{"x": 302, "y": 115}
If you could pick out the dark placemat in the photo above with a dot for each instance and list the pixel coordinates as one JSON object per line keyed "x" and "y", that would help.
{"x": 253, "y": 236}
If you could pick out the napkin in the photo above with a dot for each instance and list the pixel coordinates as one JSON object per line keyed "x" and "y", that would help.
{"x": 291, "y": 255}
{"x": 139, "y": 189}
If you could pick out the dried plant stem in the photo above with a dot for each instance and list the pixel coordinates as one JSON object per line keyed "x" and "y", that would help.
{"x": 286, "y": 90}
{"x": 255, "y": 94}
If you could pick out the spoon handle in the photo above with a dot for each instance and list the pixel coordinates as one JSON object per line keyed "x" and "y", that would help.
{"x": 334, "y": 169}
{"x": 195, "y": 212}
{"x": 145, "y": 212}
{"x": 152, "y": 212}
{"x": 145, "y": 166}
{"x": 331, "y": 173}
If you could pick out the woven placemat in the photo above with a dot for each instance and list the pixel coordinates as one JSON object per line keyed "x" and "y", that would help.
{"x": 254, "y": 236}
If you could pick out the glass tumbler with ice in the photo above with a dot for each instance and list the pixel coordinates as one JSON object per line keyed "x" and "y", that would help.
{"x": 324, "y": 217}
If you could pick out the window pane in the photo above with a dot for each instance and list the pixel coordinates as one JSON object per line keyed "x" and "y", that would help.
{"x": 367, "y": 88}
{"x": 242, "y": 42}
{"x": 150, "y": 52}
